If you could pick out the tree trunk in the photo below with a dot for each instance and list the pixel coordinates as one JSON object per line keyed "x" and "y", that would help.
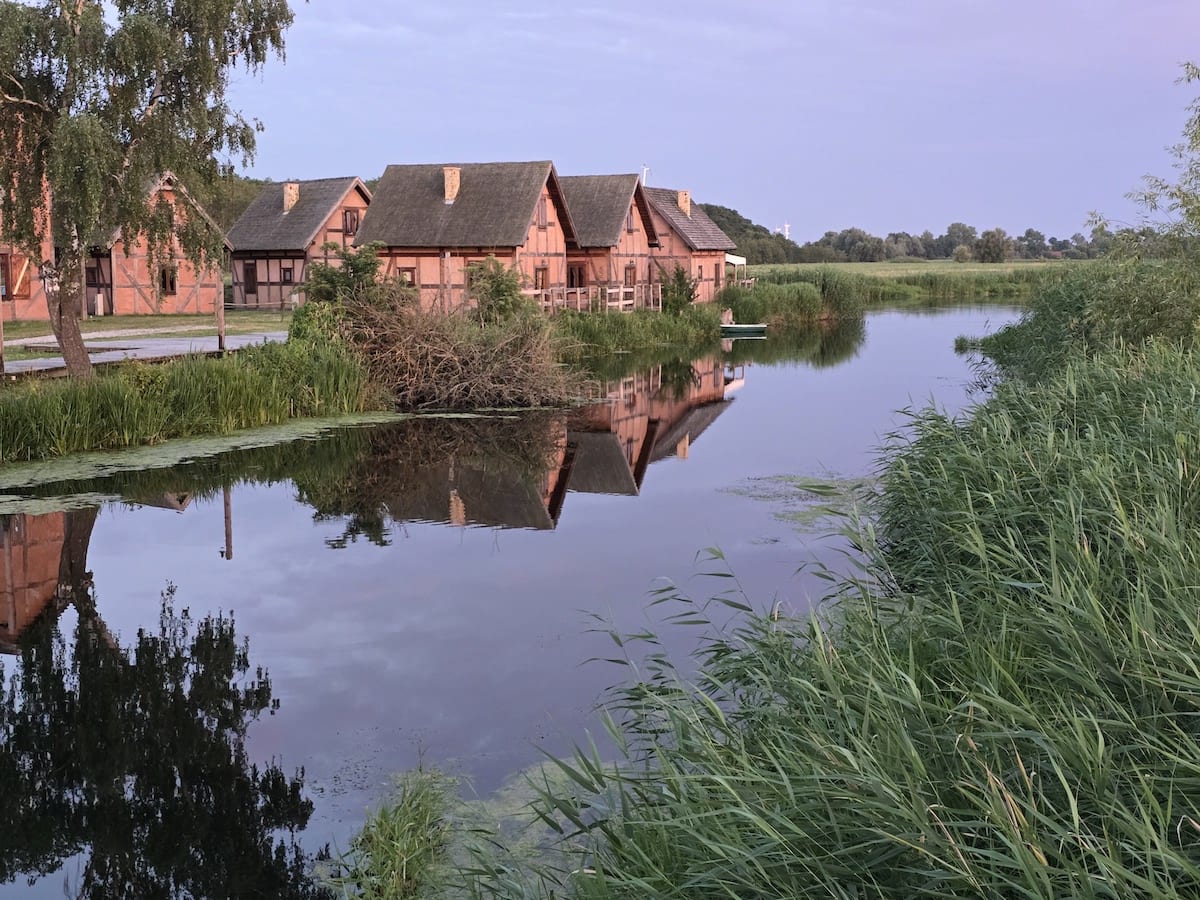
{"x": 64, "y": 305}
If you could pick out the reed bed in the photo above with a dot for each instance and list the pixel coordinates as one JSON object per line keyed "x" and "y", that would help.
{"x": 911, "y": 283}
{"x": 147, "y": 404}
{"x": 698, "y": 325}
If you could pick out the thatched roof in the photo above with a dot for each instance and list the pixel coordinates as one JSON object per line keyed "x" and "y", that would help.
{"x": 697, "y": 230}
{"x": 691, "y": 425}
{"x": 600, "y": 464}
{"x": 264, "y": 226}
{"x": 495, "y": 205}
{"x": 598, "y": 205}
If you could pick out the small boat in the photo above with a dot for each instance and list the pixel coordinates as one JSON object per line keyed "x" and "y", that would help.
{"x": 758, "y": 329}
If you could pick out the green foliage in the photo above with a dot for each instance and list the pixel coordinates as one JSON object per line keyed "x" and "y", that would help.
{"x": 403, "y": 845}
{"x": 355, "y": 276}
{"x": 963, "y": 254}
{"x": 993, "y": 246}
{"x": 144, "y": 404}
{"x": 1177, "y": 201}
{"x": 678, "y": 292}
{"x": 781, "y": 306}
{"x": 697, "y": 326}
{"x": 756, "y": 243}
{"x": 1084, "y": 309}
{"x": 317, "y": 323}
{"x": 496, "y": 290}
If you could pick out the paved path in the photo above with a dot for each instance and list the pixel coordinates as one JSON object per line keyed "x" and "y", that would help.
{"x": 88, "y": 337}
{"x": 147, "y": 348}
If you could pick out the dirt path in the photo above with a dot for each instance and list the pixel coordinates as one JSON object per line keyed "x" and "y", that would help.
{"x": 48, "y": 339}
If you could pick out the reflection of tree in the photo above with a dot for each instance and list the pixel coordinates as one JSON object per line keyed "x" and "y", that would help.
{"x": 403, "y": 470}
{"x": 824, "y": 345}
{"x": 135, "y": 760}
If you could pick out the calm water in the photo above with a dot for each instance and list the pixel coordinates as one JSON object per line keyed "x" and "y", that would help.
{"x": 421, "y": 591}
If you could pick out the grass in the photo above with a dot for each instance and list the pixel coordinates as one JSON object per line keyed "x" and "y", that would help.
{"x": 236, "y": 322}
{"x": 147, "y": 404}
{"x": 588, "y": 333}
{"x": 911, "y": 267}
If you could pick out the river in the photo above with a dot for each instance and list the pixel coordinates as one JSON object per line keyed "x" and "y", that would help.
{"x": 421, "y": 592}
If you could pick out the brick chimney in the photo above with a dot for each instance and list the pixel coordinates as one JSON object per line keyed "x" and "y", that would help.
{"x": 452, "y": 176}
{"x": 685, "y": 203}
{"x": 291, "y": 194}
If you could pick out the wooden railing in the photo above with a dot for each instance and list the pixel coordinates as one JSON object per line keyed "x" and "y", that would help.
{"x": 600, "y": 298}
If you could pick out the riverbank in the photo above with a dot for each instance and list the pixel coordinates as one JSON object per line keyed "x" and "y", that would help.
{"x": 1002, "y": 703}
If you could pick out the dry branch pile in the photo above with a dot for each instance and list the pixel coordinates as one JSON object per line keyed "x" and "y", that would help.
{"x": 433, "y": 360}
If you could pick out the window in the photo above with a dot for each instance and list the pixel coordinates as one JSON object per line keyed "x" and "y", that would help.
{"x": 543, "y": 219}
{"x": 167, "y": 280}
{"x": 285, "y": 274}
{"x": 700, "y": 272}
{"x": 541, "y": 278}
{"x": 576, "y": 276}
{"x": 630, "y": 275}
{"x": 4, "y": 277}
{"x": 250, "y": 277}
{"x": 629, "y": 220}
{"x": 350, "y": 222}
{"x": 91, "y": 277}
{"x": 408, "y": 275}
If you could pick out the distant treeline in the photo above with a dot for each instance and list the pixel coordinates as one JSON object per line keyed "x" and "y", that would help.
{"x": 958, "y": 241}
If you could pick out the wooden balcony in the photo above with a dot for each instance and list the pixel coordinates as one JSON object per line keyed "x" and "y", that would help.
{"x": 600, "y": 298}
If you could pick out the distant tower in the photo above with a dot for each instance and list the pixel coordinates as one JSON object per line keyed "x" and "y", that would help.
{"x": 645, "y": 172}
{"x": 787, "y": 230}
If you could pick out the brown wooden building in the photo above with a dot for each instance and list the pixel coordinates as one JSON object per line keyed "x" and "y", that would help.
{"x": 285, "y": 228}
{"x": 435, "y": 220}
{"x": 609, "y": 265}
{"x": 688, "y": 238}
{"x": 21, "y": 293}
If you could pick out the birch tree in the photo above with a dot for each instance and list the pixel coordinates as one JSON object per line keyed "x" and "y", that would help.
{"x": 97, "y": 101}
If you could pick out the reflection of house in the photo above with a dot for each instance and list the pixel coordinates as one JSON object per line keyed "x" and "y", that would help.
{"x": 123, "y": 279}
{"x": 286, "y": 227}
{"x": 644, "y": 418}
{"x": 609, "y": 265}
{"x": 689, "y": 238}
{"x": 31, "y": 552}
{"x": 434, "y": 221}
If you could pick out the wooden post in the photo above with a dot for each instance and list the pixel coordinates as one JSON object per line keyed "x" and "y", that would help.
{"x": 2, "y": 336}
{"x": 228, "y": 523}
{"x": 220, "y": 311}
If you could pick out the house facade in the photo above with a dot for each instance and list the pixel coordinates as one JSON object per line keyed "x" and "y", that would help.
{"x": 122, "y": 277}
{"x": 609, "y": 266}
{"x": 287, "y": 226}
{"x": 434, "y": 221}
{"x": 688, "y": 238}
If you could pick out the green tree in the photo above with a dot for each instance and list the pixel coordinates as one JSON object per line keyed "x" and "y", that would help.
{"x": 1032, "y": 244}
{"x": 993, "y": 246}
{"x": 678, "y": 291}
{"x": 97, "y": 101}
{"x": 496, "y": 291}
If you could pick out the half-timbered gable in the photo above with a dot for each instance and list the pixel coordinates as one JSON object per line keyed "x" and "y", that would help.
{"x": 610, "y": 264}
{"x": 289, "y": 225}
{"x": 688, "y": 238}
{"x": 434, "y": 221}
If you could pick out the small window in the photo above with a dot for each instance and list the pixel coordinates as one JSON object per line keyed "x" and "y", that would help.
{"x": 629, "y": 220}
{"x": 541, "y": 278}
{"x": 700, "y": 272}
{"x": 250, "y": 277}
{"x": 630, "y": 275}
{"x": 167, "y": 280}
{"x": 408, "y": 275}
{"x": 350, "y": 222}
{"x": 576, "y": 276}
{"x": 5, "y": 294}
{"x": 285, "y": 274}
{"x": 543, "y": 215}
{"x": 91, "y": 277}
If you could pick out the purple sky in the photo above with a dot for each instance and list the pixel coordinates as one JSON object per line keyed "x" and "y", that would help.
{"x": 824, "y": 113}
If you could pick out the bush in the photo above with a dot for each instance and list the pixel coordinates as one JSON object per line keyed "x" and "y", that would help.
{"x": 678, "y": 292}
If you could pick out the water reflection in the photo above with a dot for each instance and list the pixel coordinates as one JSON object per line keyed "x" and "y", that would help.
{"x": 131, "y": 761}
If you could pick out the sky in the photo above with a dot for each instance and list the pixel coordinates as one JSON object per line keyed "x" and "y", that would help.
{"x": 823, "y": 114}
